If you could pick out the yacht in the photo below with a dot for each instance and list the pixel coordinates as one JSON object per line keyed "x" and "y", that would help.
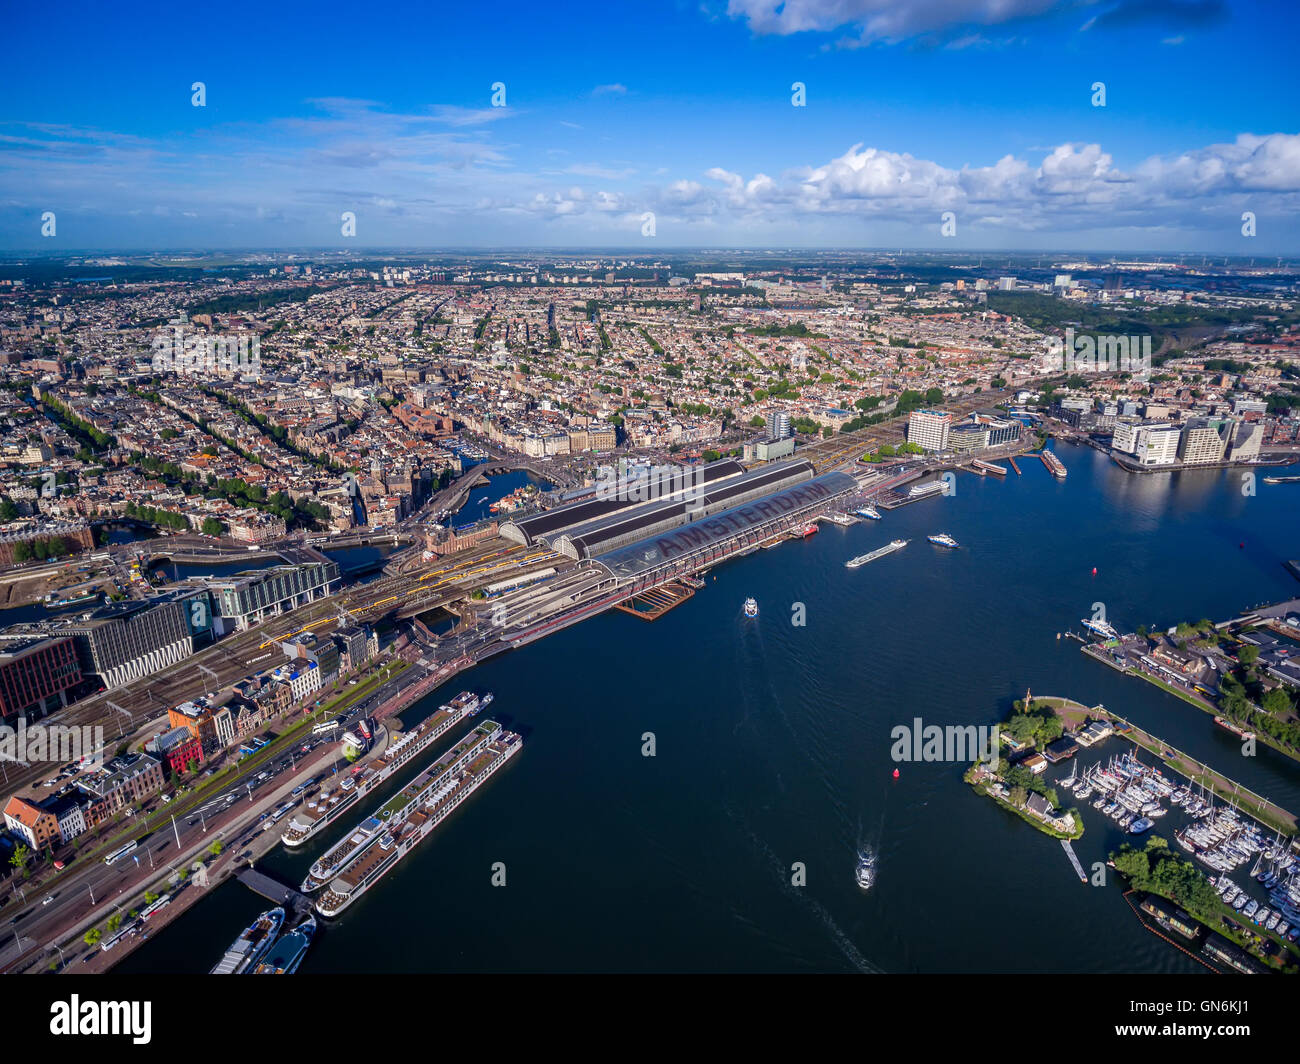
{"x": 942, "y": 539}
{"x": 751, "y": 608}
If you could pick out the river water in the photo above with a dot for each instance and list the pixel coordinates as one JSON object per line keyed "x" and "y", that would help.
{"x": 772, "y": 747}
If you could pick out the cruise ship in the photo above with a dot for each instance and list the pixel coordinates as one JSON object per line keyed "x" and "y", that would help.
{"x": 917, "y": 491}
{"x": 1054, "y": 465}
{"x": 411, "y": 817}
{"x": 879, "y": 552}
{"x": 251, "y": 945}
{"x": 942, "y": 539}
{"x": 371, "y": 830}
{"x": 333, "y": 802}
{"x": 288, "y": 952}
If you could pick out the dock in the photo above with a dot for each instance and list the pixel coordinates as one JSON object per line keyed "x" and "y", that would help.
{"x": 980, "y": 466}
{"x": 273, "y": 890}
{"x": 652, "y": 604}
{"x": 1074, "y": 860}
{"x": 1012, "y": 461}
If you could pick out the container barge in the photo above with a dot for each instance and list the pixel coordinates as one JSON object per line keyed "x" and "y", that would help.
{"x": 879, "y": 552}
{"x": 446, "y": 784}
{"x": 330, "y": 804}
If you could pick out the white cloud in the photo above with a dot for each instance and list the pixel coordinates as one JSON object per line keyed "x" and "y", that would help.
{"x": 880, "y": 20}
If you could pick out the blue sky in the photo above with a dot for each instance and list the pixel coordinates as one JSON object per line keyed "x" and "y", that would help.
{"x": 615, "y": 110}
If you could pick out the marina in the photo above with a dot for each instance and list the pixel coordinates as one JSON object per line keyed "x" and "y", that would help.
{"x": 441, "y": 789}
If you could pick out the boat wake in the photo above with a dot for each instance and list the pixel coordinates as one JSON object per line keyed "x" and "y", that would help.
{"x": 781, "y": 872}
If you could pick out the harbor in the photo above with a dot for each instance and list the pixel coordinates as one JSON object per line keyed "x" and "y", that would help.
{"x": 833, "y": 795}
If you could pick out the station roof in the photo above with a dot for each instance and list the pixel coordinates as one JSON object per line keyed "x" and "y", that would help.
{"x": 562, "y": 517}
{"x": 589, "y": 538}
{"x": 637, "y": 558}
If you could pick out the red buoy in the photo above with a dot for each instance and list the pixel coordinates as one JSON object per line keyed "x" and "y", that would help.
{"x": 895, "y": 773}
{"x": 1094, "y": 570}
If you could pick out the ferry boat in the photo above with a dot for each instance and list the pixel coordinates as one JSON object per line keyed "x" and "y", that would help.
{"x": 251, "y": 945}
{"x": 411, "y": 816}
{"x": 330, "y": 804}
{"x": 869, "y": 512}
{"x": 942, "y": 539}
{"x": 879, "y": 552}
{"x": 751, "y": 608}
{"x": 287, "y": 953}
{"x": 865, "y": 873}
{"x": 1100, "y": 628}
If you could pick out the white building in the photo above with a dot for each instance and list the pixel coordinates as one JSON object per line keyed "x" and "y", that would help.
{"x": 1152, "y": 444}
{"x": 929, "y": 429}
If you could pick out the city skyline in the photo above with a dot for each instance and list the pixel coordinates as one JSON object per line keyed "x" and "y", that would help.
{"x": 681, "y": 113}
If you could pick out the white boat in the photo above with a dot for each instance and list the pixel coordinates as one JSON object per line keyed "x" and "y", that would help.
{"x": 751, "y": 608}
{"x": 865, "y": 873}
{"x": 942, "y": 539}
{"x": 869, "y": 512}
{"x": 1100, "y": 628}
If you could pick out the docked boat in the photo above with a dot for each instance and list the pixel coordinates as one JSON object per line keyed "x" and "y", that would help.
{"x": 1054, "y": 465}
{"x": 334, "y": 801}
{"x": 424, "y": 803}
{"x": 879, "y": 552}
{"x": 942, "y": 539}
{"x": 1100, "y": 628}
{"x": 809, "y": 529}
{"x": 1140, "y": 825}
{"x": 869, "y": 512}
{"x": 865, "y": 873}
{"x": 251, "y": 945}
{"x": 751, "y": 607}
{"x": 287, "y": 953}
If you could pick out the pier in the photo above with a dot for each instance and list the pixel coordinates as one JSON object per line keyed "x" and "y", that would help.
{"x": 1074, "y": 860}
{"x": 980, "y": 466}
{"x": 273, "y": 890}
{"x": 653, "y": 603}
{"x": 1012, "y": 461}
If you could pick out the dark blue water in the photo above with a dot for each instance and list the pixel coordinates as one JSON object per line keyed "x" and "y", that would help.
{"x": 773, "y": 748}
{"x": 476, "y": 506}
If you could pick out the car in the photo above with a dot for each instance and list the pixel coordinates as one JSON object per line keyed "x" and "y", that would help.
{"x": 48, "y": 899}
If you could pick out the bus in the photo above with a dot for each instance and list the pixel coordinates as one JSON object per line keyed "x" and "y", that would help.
{"x": 329, "y": 727}
{"x": 120, "y": 853}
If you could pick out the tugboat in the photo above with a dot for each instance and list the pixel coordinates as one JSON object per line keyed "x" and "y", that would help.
{"x": 865, "y": 873}
{"x": 942, "y": 539}
{"x": 751, "y": 608}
